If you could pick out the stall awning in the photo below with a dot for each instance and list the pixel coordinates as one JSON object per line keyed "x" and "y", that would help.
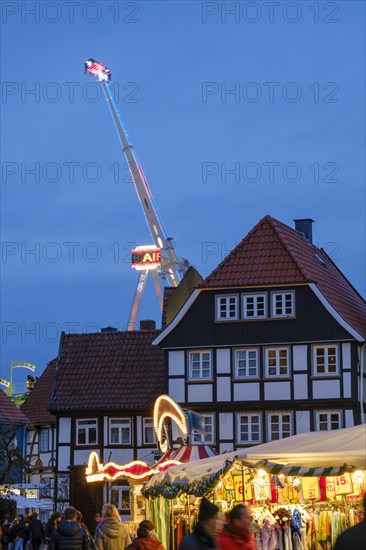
{"x": 316, "y": 449}
{"x": 310, "y": 454}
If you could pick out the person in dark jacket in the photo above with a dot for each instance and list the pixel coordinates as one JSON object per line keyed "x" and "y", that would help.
{"x": 96, "y": 521}
{"x": 69, "y": 535}
{"x": 208, "y": 527}
{"x": 355, "y": 537}
{"x": 7, "y": 533}
{"x": 36, "y": 531}
{"x": 20, "y": 532}
{"x": 51, "y": 525}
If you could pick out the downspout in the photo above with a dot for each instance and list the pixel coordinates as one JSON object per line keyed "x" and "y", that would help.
{"x": 362, "y": 352}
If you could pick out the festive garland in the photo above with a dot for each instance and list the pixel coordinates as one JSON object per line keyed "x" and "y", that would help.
{"x": 201, "y": 487}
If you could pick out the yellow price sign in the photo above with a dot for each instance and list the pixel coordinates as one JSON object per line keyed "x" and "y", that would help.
{"x": 310, "y": 488}
{"x": 238, "y": 487}
{"x": 228, "y": 483}
{"x": 339, "y": 485}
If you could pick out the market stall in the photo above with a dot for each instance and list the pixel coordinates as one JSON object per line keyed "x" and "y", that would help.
{"x": 314, "y": 480}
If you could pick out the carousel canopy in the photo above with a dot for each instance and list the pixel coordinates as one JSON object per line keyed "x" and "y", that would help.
{"x": 311, "y": 454}
{"x": 188, "y": 453}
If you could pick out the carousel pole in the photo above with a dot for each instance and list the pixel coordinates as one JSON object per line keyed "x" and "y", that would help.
{"x": 243, "y": 481}
{"x": 172, "y": 524}
{"x": 188, "y": 512}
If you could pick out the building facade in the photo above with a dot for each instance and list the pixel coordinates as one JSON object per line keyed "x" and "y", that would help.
{"x": 103, "y": 396}
{"x": 41, "y": 444}
{"x": 271, "y": 344}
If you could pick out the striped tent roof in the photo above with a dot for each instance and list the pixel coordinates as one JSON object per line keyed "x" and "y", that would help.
{"x": 188, "y": 453}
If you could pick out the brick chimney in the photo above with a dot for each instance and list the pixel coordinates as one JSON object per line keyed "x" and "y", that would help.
{"x": 305, "y": 226}
{"x": 147, "y": 324}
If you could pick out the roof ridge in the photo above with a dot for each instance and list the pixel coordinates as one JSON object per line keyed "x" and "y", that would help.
{"x": 282, "y": 238}
{"x": 231, "y": 253}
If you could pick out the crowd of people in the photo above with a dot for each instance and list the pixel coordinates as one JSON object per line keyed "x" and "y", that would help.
{"x": 67, "y": 531}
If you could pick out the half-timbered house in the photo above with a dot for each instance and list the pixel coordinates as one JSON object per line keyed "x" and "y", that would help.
{"x": 271, "y": 344}
{"x": 104, "y": 391}
{"x": 41, "y": 443}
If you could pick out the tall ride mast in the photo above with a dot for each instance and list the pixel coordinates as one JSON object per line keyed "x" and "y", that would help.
{"x": 172, "y": 267}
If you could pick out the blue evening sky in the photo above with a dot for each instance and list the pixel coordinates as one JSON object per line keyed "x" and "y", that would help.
{"x": 289, "y": 141}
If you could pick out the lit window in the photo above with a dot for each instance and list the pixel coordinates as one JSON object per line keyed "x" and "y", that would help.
{"x": 325, "y": 360}
{"x": 120, "y": 431}
{"x": 44, "y": 440}
{"x": 246, "y": 363}
{"x": 327, "y": 420}
{"x": 249, "y": 428}
{"x": 283, "y": 304}
{"x": 208, "y": 426}
{"x": 149, "y": 432}
{"x": 86, "y": 431}
{"x": 200, "y": 365}
{"x": 277, "y": 362}
{"x": 279, "y": 425}
{"x": 254, "y": 306}
{"x": 226, "y": 308}
{"x": 120, "y": 496}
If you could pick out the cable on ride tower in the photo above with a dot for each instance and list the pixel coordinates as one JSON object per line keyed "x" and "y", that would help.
{"x": 161, "y": 257}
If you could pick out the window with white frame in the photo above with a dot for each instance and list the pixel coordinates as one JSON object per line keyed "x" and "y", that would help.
{"x": 279, "y": 425}
{"x": 328, "y": 420}
{"x": 120, "y": 497}
{"x": 120, "y": 431}
{"x": 246, "y": 363}
{"x": 283, "y": 304}
{"x": 148, "y": 431}
{"x": 200, "y": 365}
{"x": 209, "y": 428}
{"x": 86, "y": 431}
{"x": 277, "y": 362}
{"x": 44, "y": 440}
{"x": 227, "y": 308}
{"x": 325, "y": 360}
{"x": 249, "y": 428}
{"x": 254, "y": 306}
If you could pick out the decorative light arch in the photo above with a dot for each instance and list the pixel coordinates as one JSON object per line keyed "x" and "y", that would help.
{"x": 166, "y": 407}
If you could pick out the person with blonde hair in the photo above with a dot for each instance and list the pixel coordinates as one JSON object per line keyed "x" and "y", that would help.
{"x": 111, "y": 534}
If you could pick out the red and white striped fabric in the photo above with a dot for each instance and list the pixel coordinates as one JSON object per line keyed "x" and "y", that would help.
{"x": 188, "y": 453}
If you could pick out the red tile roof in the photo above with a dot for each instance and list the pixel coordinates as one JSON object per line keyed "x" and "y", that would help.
{"x": 108, "y": 370}
{"x": 9, "y": 413}
{"x": 36, "y": 404}
{"x": 274, "y": 254}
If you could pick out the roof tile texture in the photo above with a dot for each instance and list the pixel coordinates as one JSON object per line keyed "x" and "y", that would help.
{"x": 9, "y": 413}
{"x": 274, "y": 254}
{"x": 107, "y": 371}
{"x": 35, "y": 406}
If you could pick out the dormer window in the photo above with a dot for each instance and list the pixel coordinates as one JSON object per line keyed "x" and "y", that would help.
{"x": 254, "y": 305}
{"x": 227, "y": 307}
{"x": 283, "y": 303}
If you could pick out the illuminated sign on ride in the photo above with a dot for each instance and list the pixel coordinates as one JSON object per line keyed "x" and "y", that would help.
{"x": 97, "y": 69}
{"x": 146, "y": 257}
{"x": 23, "y": 365}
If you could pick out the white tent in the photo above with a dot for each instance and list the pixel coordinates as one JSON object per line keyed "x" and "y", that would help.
{"x": 316, "y": 449}
{"x": 314, "y": 453}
